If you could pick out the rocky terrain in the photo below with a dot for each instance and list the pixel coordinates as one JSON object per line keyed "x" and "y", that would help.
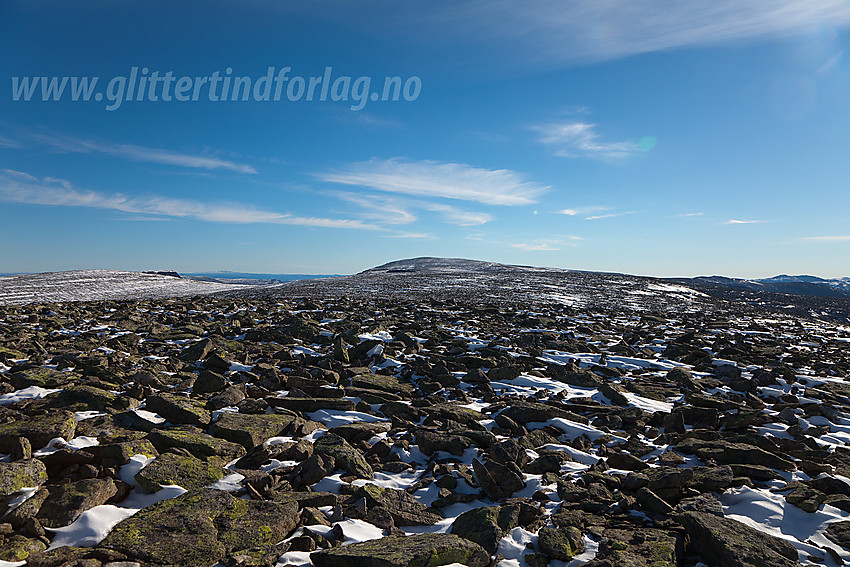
{"x": 427, "y": 413}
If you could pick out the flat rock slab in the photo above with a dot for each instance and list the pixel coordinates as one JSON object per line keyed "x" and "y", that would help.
{"x": 67, "y": 502}
{"x": 182, "y": 470}
{"x": 527, "y": 412}
{"x": 312, "y": 404}
{"x": 422, "y": 550}
{"x": 43, "y": 378}
{"x": 178, "y": 410}
{"x": 196, "y": 442}
{"x": 250, "y": 430}
{"x": 38, "y": 430}
{"x": 122, "y": 451}
{"x": 839, "y": 532}
{"x": 200, "y": 528}
{"x": 404, "y": 508}
{"x": 733, "y": 544}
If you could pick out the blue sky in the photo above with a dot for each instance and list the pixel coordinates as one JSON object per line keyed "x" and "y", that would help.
{"x": 639, "y": 136}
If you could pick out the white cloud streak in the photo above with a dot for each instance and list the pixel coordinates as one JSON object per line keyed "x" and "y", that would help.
{"x": 139, "y": 153}
{"x": 609, "y": 215}
{"x": 828, "y": 238}
{"x": 737, "y": 221}
{"x": 18, "y": 187}
{"x": 538, "y": 246}
{"x": 553, "y": 31}
{"x": 392, "y": 210}
{"x": 582, "y": 210}
{"x": 453, "y": 215}
{"x": 580, "y": 139}
{"x": 411, "y": 235}
{"x": 8, "y": 143}
{"x": 443, "y": 180}
{"x": 382, "y": 210}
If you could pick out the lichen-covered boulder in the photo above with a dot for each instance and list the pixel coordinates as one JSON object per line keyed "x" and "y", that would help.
{"x": 67, "y": 502}
{"x": 482, "y": 526}
{"x": 560, "y": 543}
{"x": 346, "y": 457}
{"x": 21, "y": 474}
{"x": 38, "y": 430}
{"x": 178, "y": 410}
{"x": 42, "y": 377}
{"x": 121, "y": 452}
{"x": 423, "y": 550}
{"x": 196, "y": 442}
{"x": 732, "y": 544}
{"x": 200, "y": 528}
{"x": 19, "y": 548}
{"x": 404, "y": 509}
{"x": 250, "y": 430}
{"x": 182, "y": 470}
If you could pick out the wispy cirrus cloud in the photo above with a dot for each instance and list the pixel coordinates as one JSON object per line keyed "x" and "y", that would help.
{"x": 19, "y": 187}
{"x": 609, "y": 215}
{"x": 537, "y": 246}
{"x": 547, "y": 244}
{"x": 690, "y": 215}
{"x": 412, "y": 235}
{"x": 827, "y": 238}
{"x": 738, "y": 221}
{"x": 438, "y": 179}
{"x": 456, "y": 216}
{"x": 380, "y": 209}
{"x": 552, "y": 31}
{"x": 585, "y": 212}
{"x": 9, "y": 143}
{"x": 582, "y": 210}
{"x": 137, "y": 153}
{"x": 394, "y": 210}
{"x": 581, "y": 140}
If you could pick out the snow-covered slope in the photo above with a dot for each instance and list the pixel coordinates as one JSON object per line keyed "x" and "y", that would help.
{"x": 93, "y": 285}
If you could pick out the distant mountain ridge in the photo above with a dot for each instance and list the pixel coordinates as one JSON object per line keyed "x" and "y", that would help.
{"x": 443, "y": 265}
{"x": 796, "y": 285}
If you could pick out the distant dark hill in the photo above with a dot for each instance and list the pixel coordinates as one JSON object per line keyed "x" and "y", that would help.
{"x": 432, "y": 264}
{"x": 795, "y": 285}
